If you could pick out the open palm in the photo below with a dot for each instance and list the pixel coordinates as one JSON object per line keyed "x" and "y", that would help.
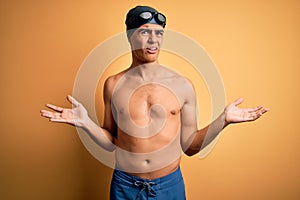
{"x": 75, "y": 116}
{"x": 234, "y": 114}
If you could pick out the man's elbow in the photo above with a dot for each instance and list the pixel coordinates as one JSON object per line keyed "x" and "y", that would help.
{"x": 110, "y": 148}
{"x": 190, "y": 152}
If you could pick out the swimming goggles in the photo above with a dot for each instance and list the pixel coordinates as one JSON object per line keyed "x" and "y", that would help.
{"x": 151, "y": 18}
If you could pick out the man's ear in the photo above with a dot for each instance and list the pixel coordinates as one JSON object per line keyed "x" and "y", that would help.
{"x": 130, "y": 43}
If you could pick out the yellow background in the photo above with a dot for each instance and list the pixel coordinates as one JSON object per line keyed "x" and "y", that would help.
{"x": 255, "y": 45}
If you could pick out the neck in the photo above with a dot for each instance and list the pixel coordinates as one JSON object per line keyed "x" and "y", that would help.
{"x": 136, "y": 62}
{"x": 147, "y": 71}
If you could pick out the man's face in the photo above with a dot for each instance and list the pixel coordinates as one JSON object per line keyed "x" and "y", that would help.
{"x": 146, "y": 42}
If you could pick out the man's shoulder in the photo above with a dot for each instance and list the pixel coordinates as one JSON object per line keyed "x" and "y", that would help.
{"x": 185, "y": 84}
{"x": 112, "y": 80}
{"x": 178, "y": 78}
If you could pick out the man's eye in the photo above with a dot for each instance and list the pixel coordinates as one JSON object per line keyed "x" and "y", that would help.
{"x": 160, "y": 33}
{"x": 144, "y": 32}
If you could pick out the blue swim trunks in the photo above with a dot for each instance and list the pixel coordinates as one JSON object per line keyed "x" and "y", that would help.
{"x": 127, "y": 187}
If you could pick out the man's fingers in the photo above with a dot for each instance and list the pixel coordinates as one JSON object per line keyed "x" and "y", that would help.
{"x": 259, "y": 109}
{"x": 258, "y": 112}
{"x": 58, "y": 120}
{"x": 255, "y": 109}
{"x": 264, "y": 110}
{"x": 238, "y": 101}
{"x": 49, "y": 114}
{"x": 62, "y": 120}
{"x": 73, "y": 101}
{"x": 53, "y": 107}
{"x": 56, "y": 117}
{"x": 46, "y": 113}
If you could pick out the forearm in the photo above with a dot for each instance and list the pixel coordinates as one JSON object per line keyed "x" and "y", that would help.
{"x": 100, "y": 135}
{"x": 205, "y": 136}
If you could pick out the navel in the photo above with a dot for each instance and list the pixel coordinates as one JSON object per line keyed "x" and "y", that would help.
{"x": 147, "y": 162}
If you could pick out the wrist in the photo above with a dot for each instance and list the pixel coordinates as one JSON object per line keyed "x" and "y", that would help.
{"x": 224, "y": 119}
{"x": 87, "y": 124}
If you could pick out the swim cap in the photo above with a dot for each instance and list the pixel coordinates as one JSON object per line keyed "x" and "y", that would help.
{"x": 135, "y": 18}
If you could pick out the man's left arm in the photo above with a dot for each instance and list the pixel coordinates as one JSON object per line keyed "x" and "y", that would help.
{"x": 193, "y": 140}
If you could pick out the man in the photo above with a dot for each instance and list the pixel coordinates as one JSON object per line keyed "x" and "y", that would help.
{"x": 150, "y": 117}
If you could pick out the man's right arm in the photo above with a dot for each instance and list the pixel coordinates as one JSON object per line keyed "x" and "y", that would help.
{"x": 78, "y": 116}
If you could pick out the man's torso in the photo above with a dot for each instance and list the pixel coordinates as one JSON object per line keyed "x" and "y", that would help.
{"x": 147, "y": 112}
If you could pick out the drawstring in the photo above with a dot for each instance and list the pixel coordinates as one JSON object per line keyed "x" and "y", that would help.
{"x": 145, "y": 185}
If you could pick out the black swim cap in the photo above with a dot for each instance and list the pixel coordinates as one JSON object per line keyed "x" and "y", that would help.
{"x": 134, "y": 20}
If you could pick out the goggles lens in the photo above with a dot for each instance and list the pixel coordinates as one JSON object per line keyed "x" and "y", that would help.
{"x": 159, "y": 18}
{"x": 146, "y": 15}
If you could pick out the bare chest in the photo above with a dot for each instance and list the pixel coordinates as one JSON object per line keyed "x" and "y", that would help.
{"x": 146, "y": 102}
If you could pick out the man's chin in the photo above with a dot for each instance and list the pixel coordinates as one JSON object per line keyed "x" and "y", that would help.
{"x": 151, "y": 57}
{"x": 151, "y": 61}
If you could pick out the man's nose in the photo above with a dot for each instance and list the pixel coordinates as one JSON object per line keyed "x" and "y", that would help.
{"x": 152, "y": 37}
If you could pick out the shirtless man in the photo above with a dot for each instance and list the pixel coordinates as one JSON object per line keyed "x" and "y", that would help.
{"x": 150, "y": 117}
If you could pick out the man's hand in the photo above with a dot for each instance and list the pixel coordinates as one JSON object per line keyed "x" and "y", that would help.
{"x": 234, "y": 114}
{"x": 77, "y": 116}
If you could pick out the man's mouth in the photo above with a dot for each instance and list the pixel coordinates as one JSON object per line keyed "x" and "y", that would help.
{"x": 152, "y": 50}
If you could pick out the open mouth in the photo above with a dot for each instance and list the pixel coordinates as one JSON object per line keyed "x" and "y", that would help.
{"x": 152, "y": 49}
